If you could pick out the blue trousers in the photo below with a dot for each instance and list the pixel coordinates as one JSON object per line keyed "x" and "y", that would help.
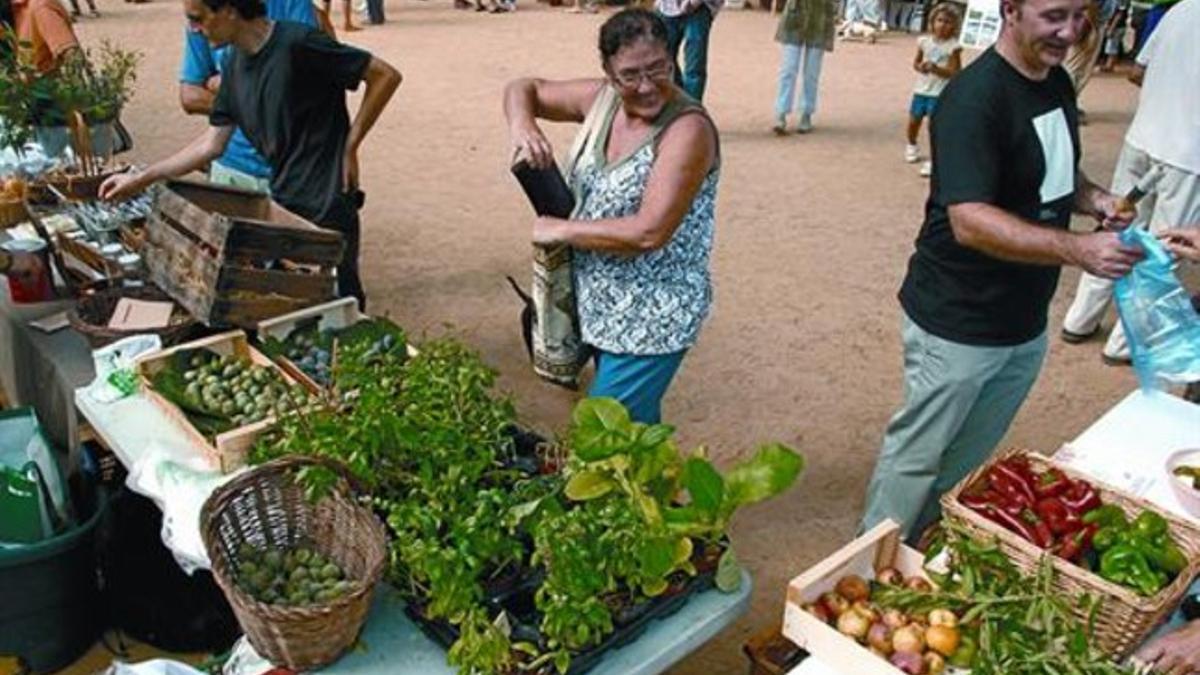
{"x": 638, "y": 382}
{"x": 789, "y": 68}
{"x": 690, "y": 30}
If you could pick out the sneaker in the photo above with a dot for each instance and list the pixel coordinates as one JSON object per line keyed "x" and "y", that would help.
{"x": 780, "y": 127}
{"x": 1072, "y": 338}
{"x": 805, "y": 124}
{"x": 1116, "y": 361}
{"x": 926, "y": 169}
{"x": 912, "y": 154}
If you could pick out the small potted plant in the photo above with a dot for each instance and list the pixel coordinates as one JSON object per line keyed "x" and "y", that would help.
{"x": 98, "y": 86}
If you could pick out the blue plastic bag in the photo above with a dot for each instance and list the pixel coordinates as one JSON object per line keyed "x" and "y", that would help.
{"x": 1156, "y": 311}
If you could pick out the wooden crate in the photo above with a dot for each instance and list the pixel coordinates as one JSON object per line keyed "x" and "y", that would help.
{"x": 206, "y": 245}
{"x": 878, "y": 549}
{"x": 228, "y": 450}
{"x": 335, "y": 315}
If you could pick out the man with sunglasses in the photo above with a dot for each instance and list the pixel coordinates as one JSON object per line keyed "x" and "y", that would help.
{"x": 285, "y": 86}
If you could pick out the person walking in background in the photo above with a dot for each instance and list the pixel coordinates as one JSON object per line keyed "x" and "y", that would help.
{"x": 806, "y": 31}
{"x": 689, "y": 23}
{"x": 1083, "y": 55}
{"x": 939, "y": 58}
{"x": 44, "y": 30}
{"x": 347, "y": 14}
{"x": 1114, "y": 36}
{"x": 1164, "y": 137}
{"x": 200, "y": 79}
{"x": 1006, "y": 180}
{"x": 75, "y": 13}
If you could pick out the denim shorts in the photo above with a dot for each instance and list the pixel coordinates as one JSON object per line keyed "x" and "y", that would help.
{"x": 922, "y": 105}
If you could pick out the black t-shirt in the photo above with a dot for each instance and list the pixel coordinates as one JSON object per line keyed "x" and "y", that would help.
{"x": 1001, "y": 139}
{"x": 290, "y": 100}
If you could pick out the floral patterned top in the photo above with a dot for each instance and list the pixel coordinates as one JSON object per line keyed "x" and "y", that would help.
{"x": 652, "y": 303}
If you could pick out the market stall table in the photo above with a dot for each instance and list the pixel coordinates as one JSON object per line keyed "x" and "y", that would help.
{"x": 1128, "y": 448}
{"x": 138, "y": 431}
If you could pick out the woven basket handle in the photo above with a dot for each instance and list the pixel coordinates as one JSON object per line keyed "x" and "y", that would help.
{"x": 290, "y": 462}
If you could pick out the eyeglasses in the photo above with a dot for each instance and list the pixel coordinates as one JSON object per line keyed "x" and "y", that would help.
{"x": 654, "y": 74}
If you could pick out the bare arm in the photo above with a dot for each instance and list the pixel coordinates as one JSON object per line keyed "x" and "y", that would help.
{"x": 195, "y": 155}
{"x": 685, "y": 156}
{"x": 951, "y": 68}
{"x": 195, "y": 99}
{"x": 381, "y": 82}
{"x": 1000, "y": 234}
{"x": 918, "y": 61}
{"x": 529, "y": 99}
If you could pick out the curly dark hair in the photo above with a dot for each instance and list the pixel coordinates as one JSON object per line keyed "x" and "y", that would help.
{"x": 247, "y": 9}
{"x": 627, "y": 27}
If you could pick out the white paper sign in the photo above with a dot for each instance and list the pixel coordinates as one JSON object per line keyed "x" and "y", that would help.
{"x": 981, "y": 25}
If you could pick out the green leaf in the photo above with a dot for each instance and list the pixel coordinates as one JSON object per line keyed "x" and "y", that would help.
{"x": 657, "y": 558}
{"x": 729, "y": 572}
{"x": 704, "y": 484}
{"x": 600, "y": 428}
{"x": 655, "y": 434}
{"x": 587, "y": 485}
{"x": 772, "y": 470}
{"x": 654, "y": 588}
{"x": 683, "y": 550}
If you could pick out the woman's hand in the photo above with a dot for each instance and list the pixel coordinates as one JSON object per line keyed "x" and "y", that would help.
{"x": 530, "y": 144}
{"x": 1183, "y": 243}
{"x": 548, "y": 231}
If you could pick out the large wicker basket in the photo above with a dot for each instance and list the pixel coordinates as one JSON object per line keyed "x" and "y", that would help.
{"x": 266, "y": 507}
{"x": 1124, "y": 618}
{"x": 93, "y": 310}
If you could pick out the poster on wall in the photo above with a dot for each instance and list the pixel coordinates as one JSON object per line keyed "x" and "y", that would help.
{"x": 981, "y": 25}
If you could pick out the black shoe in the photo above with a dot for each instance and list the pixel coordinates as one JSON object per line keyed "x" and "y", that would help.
{"x": 1078, "y": 338}
{"x": 1116, "y": 361}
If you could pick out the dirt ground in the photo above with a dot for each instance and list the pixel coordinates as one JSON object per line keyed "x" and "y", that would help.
{"x": 813, "y": 235}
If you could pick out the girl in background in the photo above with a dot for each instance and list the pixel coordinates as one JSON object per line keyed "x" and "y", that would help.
{"x": 939, "y": 58}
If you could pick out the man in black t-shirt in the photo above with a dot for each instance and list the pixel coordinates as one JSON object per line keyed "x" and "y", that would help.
{"x": 285, "y": 85}
{"x": 1005, "y": 181}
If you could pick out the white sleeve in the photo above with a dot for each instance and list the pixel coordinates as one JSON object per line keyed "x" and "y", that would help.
{"x": 1147, "y": 54}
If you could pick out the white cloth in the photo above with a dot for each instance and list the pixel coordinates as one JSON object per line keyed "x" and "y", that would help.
{"x": 676, "y": 7}
{"x": 1167, "y": 123}
{"x": 1175, "y": 201}
{"x": 937, "y": 52}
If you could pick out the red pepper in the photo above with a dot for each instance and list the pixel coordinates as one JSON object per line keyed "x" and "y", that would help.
{"x": 1070, "y": 548}
{"x": 1009, "y": 483}
{"x": 1089, "y": 533}
{"x": 1014, "y": 523}
{"x": 981, "y": 501}
{"x": 1052, "y": 483}
{"x": 1057, "y": 516}
{"x": 1042, "y": 536}
{"x": 1081, "y": 497}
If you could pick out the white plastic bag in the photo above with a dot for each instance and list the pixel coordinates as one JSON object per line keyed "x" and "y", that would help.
{"x": 115, "y": 367}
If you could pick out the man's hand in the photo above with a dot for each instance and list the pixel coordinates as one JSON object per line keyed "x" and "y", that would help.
{"x": 1183, "y": 243}
{"x": 1113, "y": 212}
{"x": 1102, "y": 254}
{"x": 530, "y": 144}
{"x": 350, "y": 170}
{"x": 1177, "y": 653}
{"x": 120, "y": 186}
{"x": 213, "y": 83}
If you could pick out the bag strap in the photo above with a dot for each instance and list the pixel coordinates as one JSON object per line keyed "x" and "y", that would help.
{"x": 591, "y": 126}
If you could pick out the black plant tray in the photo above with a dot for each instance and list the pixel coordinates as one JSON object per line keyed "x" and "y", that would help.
{"x": 525, "y": 619}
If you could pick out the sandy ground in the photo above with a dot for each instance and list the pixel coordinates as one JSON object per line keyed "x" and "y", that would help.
{"x": 813, "y": 234}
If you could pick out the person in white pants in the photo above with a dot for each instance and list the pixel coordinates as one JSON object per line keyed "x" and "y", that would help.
{"x": 1164, "y": 135}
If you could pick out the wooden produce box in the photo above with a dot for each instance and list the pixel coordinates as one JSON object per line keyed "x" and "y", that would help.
{"x": 228, "y": 450}
{"x": 335, "y": 315}
{"x": 876, "y": 550}
{"x": 207, "y": 246}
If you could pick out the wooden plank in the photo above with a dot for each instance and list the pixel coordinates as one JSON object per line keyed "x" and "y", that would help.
{"x": 260, "y": 240}
{"x": 234, "y": 202}
{"x": 210, "y": 228}
{"x": 180, "y": 269}
{"x": 333, "y": 315}
{"x": 291, "y": 284}
{"x": 247, "y": 311}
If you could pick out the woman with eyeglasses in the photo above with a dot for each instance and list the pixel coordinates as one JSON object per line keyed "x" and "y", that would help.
{"x": 645, "y": 180}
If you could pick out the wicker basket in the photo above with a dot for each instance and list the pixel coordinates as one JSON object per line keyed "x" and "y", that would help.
{"x": 265, "y": 506}
{"x": 92, "y": 312}
{"x": 1124, "y": 618}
